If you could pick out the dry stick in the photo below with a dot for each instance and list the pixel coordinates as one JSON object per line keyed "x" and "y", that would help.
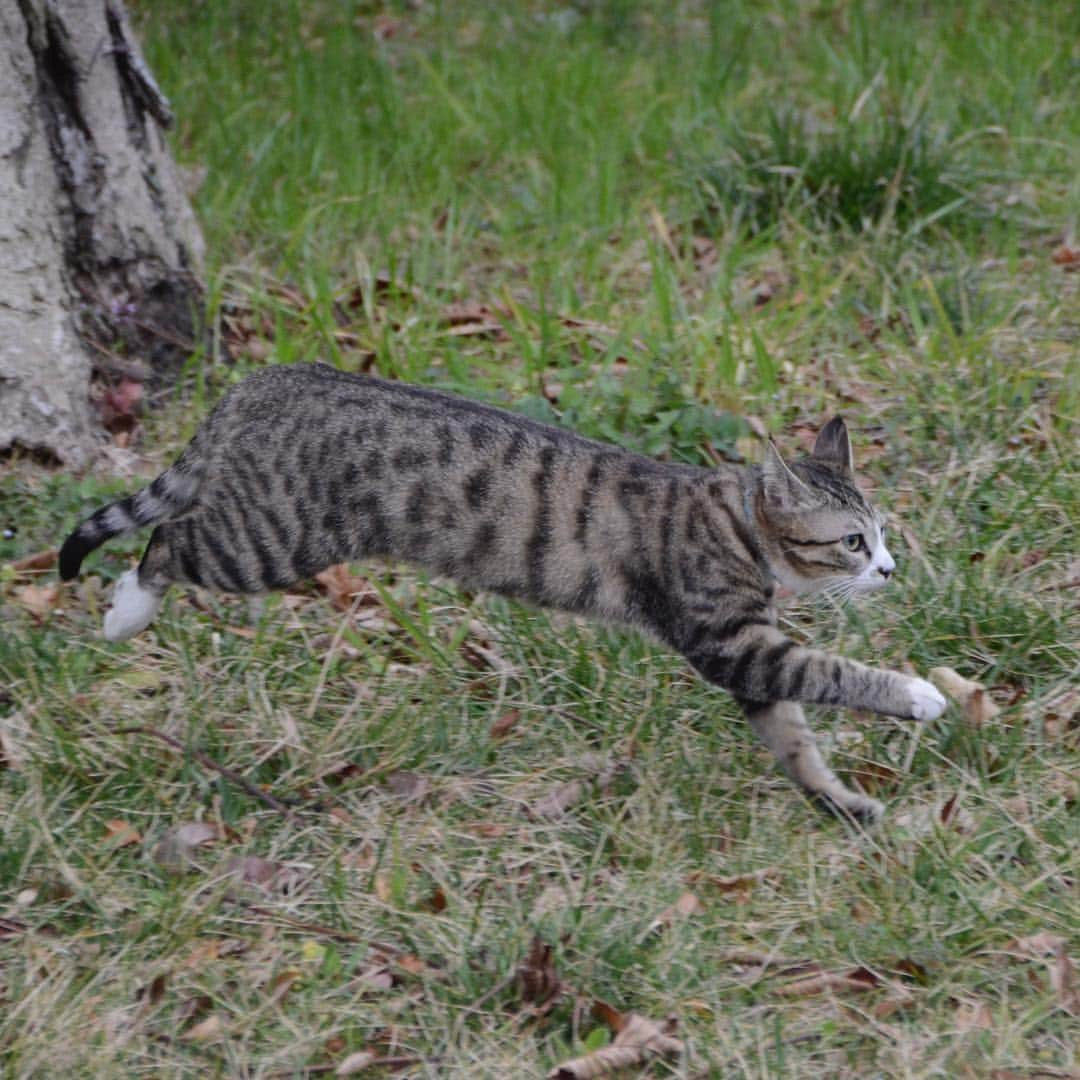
{"x": 205, "y": 759}
{"x": 320, "y": 929}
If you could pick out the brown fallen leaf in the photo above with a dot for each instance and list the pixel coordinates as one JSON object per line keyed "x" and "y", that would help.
{"x": 206, "y": 1030}
{"x": 538, "y": 982}
{"x": 1067, "y": 257}
{"x": 39, "y": 600}
{"x": 255, "y": 870}
{"x": 345, "y": 589}
{"x": 859, "y": 979}
{"x": 1059, "y": 713}
{"x": 120, "y": 405}
{"x": 176, "y": 848}
{"x": 601, "y": 772}
{"x": 407, "y": 786}
{"x": 1063, "y": 982}
{"x": 39, "y": 560}
{"x": 973, "y": 698}
{"x": 502, "y": 726}
{"x": 14, "y": 735}
{"x": 120, "y": 833}
{"x": 1037, "y": 946}
{"x": 688, "y": 904}
{"x": 739, "y": 885}
{"x": 973, "y": 1016}
{"x": 558, "y": 801}
{"x": 639, "y": 1040}
{"x": 1054, "y": 949}
{"x": 356, "y": 1062}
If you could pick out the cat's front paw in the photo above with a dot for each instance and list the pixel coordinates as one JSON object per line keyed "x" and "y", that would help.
{"x": 850, "y": 805}
{"x": 925, "y": 701}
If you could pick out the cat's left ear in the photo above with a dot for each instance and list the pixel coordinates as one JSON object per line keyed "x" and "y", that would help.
{"x": 833, "y": 446}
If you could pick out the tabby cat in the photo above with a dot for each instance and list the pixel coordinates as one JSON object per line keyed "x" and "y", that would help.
{"x": 303, "y": 466}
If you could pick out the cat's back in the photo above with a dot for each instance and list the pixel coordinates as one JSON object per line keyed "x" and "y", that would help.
{"x": 289, "y": 405}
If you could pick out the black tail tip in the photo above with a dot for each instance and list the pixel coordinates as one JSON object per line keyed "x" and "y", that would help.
{"x": 73, "y": 552}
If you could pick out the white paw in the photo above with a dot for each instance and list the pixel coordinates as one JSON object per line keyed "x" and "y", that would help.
{"x": 926, "y": 701}
{"x": 133, "y": 608}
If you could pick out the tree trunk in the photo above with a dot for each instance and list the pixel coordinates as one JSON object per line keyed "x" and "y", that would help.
{"x": 100, "y": 254}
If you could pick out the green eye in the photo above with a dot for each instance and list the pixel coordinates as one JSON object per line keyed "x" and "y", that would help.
{"x": 853, "y": 541}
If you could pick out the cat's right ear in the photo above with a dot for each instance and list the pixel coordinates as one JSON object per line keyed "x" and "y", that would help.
{"x": 783, "y": 489}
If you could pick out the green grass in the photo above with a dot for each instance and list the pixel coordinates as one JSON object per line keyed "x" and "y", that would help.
{"x": 685, "y": 220}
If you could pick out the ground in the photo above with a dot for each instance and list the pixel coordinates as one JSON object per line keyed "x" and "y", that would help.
{"x": 381, "y": 815}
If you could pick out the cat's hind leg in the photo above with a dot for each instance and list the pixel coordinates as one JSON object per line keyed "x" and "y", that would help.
{"x": 138, "y": 593}
{"x": 133, "y": 608}
{"x": 782, "y": 726}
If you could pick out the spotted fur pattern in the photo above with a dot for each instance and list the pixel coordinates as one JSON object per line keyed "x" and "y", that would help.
{"x": 300, "y": 467}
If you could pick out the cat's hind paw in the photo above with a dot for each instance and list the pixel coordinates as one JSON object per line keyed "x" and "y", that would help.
{"x": 133, "y": 608}
{"x": 925, "y": 702}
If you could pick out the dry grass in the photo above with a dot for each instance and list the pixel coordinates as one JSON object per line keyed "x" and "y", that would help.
{"x": 400, "y": 796}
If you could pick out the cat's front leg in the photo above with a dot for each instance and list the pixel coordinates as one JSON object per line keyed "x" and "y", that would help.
{"x": 782, "y": 727}
{"x": 756, "y": 662}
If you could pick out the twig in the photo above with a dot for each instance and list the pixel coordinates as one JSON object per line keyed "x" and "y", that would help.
{"x": 319, "y": 929}
{"x": 205, "y": 759}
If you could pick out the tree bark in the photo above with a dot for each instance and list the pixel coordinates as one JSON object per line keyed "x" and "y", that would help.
{"x": 100, "y": 254}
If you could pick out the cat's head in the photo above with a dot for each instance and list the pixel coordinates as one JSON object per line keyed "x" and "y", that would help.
{"x": 820, "y": 533}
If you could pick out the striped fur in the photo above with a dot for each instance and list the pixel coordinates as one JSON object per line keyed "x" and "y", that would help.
{"x": 304, "y": 466}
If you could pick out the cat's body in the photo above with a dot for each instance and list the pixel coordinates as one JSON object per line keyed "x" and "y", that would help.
{"x": 304, "y": 466}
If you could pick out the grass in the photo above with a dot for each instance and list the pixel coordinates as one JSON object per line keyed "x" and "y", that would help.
{"x": 684, "y": 220}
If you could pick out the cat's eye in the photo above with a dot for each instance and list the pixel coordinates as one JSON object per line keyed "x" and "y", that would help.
{"x": 853, "y": 541}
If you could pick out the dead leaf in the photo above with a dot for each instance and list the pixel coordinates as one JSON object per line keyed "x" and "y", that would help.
{"x": 14, "y": 735}
{"x": 39, "y": 560}
{"x": 283, "y": 982}
{"x": 859, "y": 979}
{"x": 1037, "y": 946}
{"x": 121, "y": 833}
{"x": 472, "y": 320}
{"x": 974, "y": 699}
{"x": 1067, "y": 257}
{"x": 688, "y": 904}
{"x": 413, "y": 965}
{"x": 1063, "y": 982}
{"x": 436, "y": 902}
{"x": 40, "y": 600}
{"x": 601, "y": 771}
{"x": 490, "y": 830}
{"x": 356, "y": 1062}
{"x": 153, "y": 992}
{"x": 119, "y": 406}
{"x": 1052, "y": 948}
{"x": 376, "y": 977}
{"x": 407, "y": 786}
{"x": 176, "y": 848}
{"x": 639, "y": 1039}
{"x": 558, "y": 801}
{"x": 255, "y": 870}
{"x": 973, "y": 1016}
{"x": 383, "y": 889}
{"x": 1059, "y": 712}
{"x": 502, "y": 726}
{"x": 739, "y": 885}
{"x": 205, "y": 1030}
{"x": 538, "y": 981}
{"x": 345, "y": 589}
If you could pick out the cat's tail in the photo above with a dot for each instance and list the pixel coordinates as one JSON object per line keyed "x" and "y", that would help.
{"x": 163, "y": 499}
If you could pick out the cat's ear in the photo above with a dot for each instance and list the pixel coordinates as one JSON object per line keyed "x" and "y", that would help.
{"x": 833, "y": 446}
{"x": 782, "y": 487}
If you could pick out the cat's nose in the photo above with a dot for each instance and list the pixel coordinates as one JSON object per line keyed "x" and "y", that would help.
{"x": 885, "y": 571}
